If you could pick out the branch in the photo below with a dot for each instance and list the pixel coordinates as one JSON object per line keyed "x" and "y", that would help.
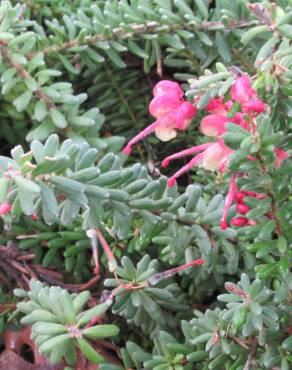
{"x": 24, "y": 74}
{"x": 249, "y": 358}
{"x": 149, "y": 28}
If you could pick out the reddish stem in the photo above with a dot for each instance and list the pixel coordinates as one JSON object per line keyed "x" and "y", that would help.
{"x": 165, "y": 274}
{"x": 107, "y": 250}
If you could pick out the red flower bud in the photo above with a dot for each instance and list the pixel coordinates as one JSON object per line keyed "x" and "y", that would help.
{"x": 239, "y": 196}
{"x": 242, "y": 208}
{"x": 34, "y": 217}
{"x": 239, "y": 221}
{"x": 223, "y": 225}
{"x": 5, "y": 208}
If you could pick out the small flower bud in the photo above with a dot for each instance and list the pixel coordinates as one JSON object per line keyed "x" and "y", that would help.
{"x": 239, "y": 221}
{"x": 239, "y": 196}
{"x": 223, "y": 225}
{"x": 5, "y": 208}
{"x": 34, "y": 217}
{"x": 242, "y": 208}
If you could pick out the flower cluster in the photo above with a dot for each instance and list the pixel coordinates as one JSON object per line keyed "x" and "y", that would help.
{"x": 236, "y": 196}
{"x": 214, "y": 156}
{"x": 172, "y": 113}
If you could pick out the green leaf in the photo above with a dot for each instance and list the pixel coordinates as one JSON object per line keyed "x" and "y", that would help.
{"x": 51, "y": 145}
{"x": 56, "y": 341}
{"x": 6, "y": 36}
{"x": 197, "y": 356}
{"x": 40, "y": 111}
{"x": 58, "y": 118}
{"x": 49, "y": 204}
{"x": 22, "y": 101}
{"x": 286, "y": 30}
{"x": 88, "y": 315}
{"x": 80, "y": 300}
{"x": 287, "y": 344}
{"x": 101, "y": 331}
{"x": 26, "y": 185}
{"x": 68, "y": 66}
{"x": 115, "y": 58}
{"x": 49, "y": 328}
{"x": 37, "y": 315}
{"x": 136, "y": 49}
{"x": 89, "y": 352}
{"x": 67, "y": 185}
{"x": 52, "y": 164}
{"x": 41, "y": 132}
{"x": 252, "y": 33}
{"x": 202, "y": 8}
{"x": 223, "y": 47}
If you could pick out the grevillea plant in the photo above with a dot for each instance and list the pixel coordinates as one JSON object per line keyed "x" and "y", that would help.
{"x": 145, "y": 183}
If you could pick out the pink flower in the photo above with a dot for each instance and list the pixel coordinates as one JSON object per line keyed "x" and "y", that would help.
{"x": 254, "y": 105}
{"x": 241, "y": 90}
{"x": 184, "y": 115}
{"x": 163, "y": 104}
{"x": 216, "y": 105}
{"x": 170, "y": 110}
{"x": 34, "y": 217}
{"x": 166, "y": 86}
{"x": 5, "y": 208}
{"x": 175, "y": 120}
{"x": 210, "y": 157}
{"x": 184, "y": 153}
{"x": 281, "y": 155}
{"x": 214, "y": 125}
{"x": 216, "y": 157}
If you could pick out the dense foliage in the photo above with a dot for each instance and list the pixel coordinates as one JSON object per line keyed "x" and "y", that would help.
{"x": 106, "y": 230}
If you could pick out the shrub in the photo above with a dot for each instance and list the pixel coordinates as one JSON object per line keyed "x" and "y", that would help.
{"x": 185, "y": 271}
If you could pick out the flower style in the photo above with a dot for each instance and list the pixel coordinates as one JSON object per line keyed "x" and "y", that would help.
{"x": 212, "y": 156}
{"x": 228, "y": 202}
{"x": 172, "y": 113}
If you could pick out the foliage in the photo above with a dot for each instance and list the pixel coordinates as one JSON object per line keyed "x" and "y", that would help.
{"x": 77, "y": 213}
{"x": 60, "y": 324}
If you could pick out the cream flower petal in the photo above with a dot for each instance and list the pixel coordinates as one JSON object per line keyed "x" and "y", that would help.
{"x": 165, "y": 133}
